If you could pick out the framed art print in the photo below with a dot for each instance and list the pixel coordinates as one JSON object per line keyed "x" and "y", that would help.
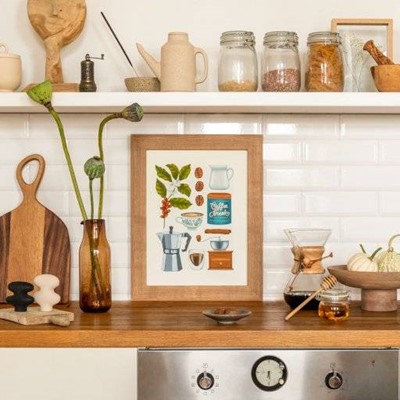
{"x": 196, "y": 207}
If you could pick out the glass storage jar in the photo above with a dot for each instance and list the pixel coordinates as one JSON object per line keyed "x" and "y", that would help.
{"x": 237, "y": 67}
{"x": 281, "y": 62}
{"x": 325, "y": 69}
{"x": 334, "y": 305}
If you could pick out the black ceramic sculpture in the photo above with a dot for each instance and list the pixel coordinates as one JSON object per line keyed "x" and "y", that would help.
{"x": 20, "y": 299}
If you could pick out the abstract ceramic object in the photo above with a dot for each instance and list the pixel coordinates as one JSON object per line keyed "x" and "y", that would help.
{"x": 46, "y": 297}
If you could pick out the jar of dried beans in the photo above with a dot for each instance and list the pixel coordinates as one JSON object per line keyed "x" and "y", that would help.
{"x": 281, "y": 62}
{"x": 325, "y": 69}
{"x": 237, "y": 67}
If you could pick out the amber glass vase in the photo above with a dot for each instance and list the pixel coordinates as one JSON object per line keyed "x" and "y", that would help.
{"x": 94, "y": 268}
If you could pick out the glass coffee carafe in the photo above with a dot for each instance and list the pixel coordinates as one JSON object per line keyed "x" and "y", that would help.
{"x": 308, "y": 248}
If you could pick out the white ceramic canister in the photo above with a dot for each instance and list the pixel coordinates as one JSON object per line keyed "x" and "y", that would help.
{"x": 10, "y": 70}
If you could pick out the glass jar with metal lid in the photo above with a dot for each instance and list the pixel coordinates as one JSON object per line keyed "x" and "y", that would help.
{"x": 281, "y": 62}
{"x": 334, "y": 305}
{"x": 237, "y": 67}
{"x": 325, "y": 69}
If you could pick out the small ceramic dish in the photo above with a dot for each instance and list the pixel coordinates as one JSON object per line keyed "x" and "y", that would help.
{"x": 227, "y": 316}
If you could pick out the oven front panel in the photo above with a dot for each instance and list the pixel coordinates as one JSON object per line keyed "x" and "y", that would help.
{"x": 268, "y": 374}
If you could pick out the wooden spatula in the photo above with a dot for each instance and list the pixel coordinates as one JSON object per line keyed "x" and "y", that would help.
{"x": 33, "y": 240}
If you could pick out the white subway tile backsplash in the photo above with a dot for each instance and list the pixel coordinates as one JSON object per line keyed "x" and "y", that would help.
{"x": 370, "y": 126}
{"x": 341, "y": 203}
{"x": 223, "y": 124}
{"x": 340, "y": 152}
{"x": 320, "y": 171}
{"x": 306, "y": 178}
{"x": 281, "y": 204}
{"x": 370, "y": 177}
{"x": 298, "y": 126}
{"x": 279, "y": 153}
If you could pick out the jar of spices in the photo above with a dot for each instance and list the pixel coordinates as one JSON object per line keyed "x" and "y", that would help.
{"x": 237, "y": 67}
{"x": 334, "y": 305}
{"x": 281, "y": 62}
{"x": 325, "y": 69}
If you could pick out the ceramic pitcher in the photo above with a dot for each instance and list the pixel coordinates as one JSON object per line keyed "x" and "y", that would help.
{"x": 177, "y": 68}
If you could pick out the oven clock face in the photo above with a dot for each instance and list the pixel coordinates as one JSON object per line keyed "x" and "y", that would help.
{"x": 269, "y": 373}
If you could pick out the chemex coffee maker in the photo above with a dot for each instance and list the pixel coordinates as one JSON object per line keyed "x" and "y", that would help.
{"x": 308, "y": 248}
{"x": 171, "y": 245}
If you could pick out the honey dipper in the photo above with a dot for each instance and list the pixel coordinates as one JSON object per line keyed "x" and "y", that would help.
{"x": 328, "y": 283}
{"x": 376, "y": 54}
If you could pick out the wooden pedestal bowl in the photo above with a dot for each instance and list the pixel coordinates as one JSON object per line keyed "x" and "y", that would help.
{"x": 386, "y": 77}
{"x": 378, "y": 289}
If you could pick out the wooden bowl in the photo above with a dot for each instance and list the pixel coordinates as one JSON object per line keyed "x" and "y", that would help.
{"x": 378, "y": 289}
{"x": 386, "y": 77}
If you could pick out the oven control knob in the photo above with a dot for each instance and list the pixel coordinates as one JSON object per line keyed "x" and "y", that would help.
{"x": 205, "y": 381}
{"x": 333, "y": 380}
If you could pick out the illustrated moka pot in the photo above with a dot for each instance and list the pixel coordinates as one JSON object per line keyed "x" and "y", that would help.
{"x": 171, "y": 245}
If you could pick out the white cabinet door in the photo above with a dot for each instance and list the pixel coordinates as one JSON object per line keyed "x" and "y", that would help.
{"x": 68, "y": 374}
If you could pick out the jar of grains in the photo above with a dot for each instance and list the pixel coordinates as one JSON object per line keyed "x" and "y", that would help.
{"x": 325, "y": 69}
{"x": 281, "y": 62}
{"x": 237, "y": 67}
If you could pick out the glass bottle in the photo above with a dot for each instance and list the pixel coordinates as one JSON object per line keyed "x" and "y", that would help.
{"x": 237, "y": 67}
{"x": 281, "y": 62}
{"x": 325, "y": 68}
{"x": 94, "y": 268}
{"x": 334, "y": 305}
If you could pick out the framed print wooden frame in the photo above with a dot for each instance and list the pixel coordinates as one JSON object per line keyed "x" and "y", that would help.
{"x": 355, "y": 33}
{"x": 196, "y": 217}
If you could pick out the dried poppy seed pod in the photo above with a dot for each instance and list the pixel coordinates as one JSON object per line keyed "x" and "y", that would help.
{"x": 94, "y": 168}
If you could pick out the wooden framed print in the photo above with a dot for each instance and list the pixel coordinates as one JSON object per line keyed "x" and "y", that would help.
{"x": 354, "y": 34}
{"x": 196, "y": 217}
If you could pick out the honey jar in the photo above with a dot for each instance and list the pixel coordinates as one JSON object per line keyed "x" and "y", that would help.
{"x": 334, "y": 305}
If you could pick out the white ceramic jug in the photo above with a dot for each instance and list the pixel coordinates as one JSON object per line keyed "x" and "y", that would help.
{"x": 177, "y": 68}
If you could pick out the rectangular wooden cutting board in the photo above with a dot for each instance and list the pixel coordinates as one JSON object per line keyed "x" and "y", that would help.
{"x": 33, "y": 240}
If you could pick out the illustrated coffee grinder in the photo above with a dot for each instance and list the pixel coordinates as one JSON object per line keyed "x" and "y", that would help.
{"x": 308, "y": 247}
{"x": 171, "y": 245}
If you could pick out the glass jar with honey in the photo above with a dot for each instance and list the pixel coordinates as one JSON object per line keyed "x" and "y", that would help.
{"x": 334, "y": 305}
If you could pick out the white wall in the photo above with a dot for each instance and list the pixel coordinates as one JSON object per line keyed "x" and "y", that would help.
{"x": 149, "y": 22}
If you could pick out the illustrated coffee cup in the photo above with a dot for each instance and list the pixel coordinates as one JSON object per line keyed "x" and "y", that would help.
{"x": 192, "y": 220}
{"x": 10, "y": 70}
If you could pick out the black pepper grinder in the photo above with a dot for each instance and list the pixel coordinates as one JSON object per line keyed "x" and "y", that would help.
{"x": 87, "y": 74}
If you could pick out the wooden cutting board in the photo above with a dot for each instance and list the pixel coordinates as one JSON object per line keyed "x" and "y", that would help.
{"x": 33, "y": 316}
{"x": 33, "y": 240}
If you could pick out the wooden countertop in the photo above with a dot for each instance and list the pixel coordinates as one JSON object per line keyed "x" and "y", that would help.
{"x": 156, "y": 324}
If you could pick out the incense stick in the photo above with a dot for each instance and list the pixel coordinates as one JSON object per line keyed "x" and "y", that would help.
{"x": 120, "y": 45}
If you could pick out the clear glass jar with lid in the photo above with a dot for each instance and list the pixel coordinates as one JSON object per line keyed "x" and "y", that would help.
{"x": 325, "y": 68}
{"x": 281, "y": 62}
{"x": 237, "y": 67}
{"x": 334, "y": 305}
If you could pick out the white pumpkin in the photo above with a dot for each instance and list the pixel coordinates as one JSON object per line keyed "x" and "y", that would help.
{"x": 389, "y": 261}
{"x": 362, "y": 262}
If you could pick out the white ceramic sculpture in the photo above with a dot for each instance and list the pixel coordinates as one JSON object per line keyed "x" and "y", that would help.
{"x": 46, "y": 297}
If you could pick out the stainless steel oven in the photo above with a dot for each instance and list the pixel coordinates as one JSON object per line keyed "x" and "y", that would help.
{"x": 268, "y": 374}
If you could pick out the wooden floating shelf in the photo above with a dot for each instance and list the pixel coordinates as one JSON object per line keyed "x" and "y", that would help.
{"x": 210, "y": 103}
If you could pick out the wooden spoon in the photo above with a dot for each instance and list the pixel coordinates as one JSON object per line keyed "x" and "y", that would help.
{"x": 328, "y": 283}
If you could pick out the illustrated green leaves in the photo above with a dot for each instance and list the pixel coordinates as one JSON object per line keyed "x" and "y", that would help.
{"x": 184, "y": 188}
{"x": 184, "y": 172}
{"x": 160, "y": 188}
{"x": 180, "y": 202}
{"x": 163, "y": 174}
{"x": 169, "y": 184}
{"x": 174, "y": 170}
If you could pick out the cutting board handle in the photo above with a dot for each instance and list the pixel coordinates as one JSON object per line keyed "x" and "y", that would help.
{"x": 30, "y": 189}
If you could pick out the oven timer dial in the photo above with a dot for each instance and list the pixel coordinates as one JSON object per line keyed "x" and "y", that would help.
{"x": 269, "y": 373}
{"x": 205, "y": 381}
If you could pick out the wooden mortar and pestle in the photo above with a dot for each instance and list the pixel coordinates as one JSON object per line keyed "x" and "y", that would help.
{"x": 386, "y": 74}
